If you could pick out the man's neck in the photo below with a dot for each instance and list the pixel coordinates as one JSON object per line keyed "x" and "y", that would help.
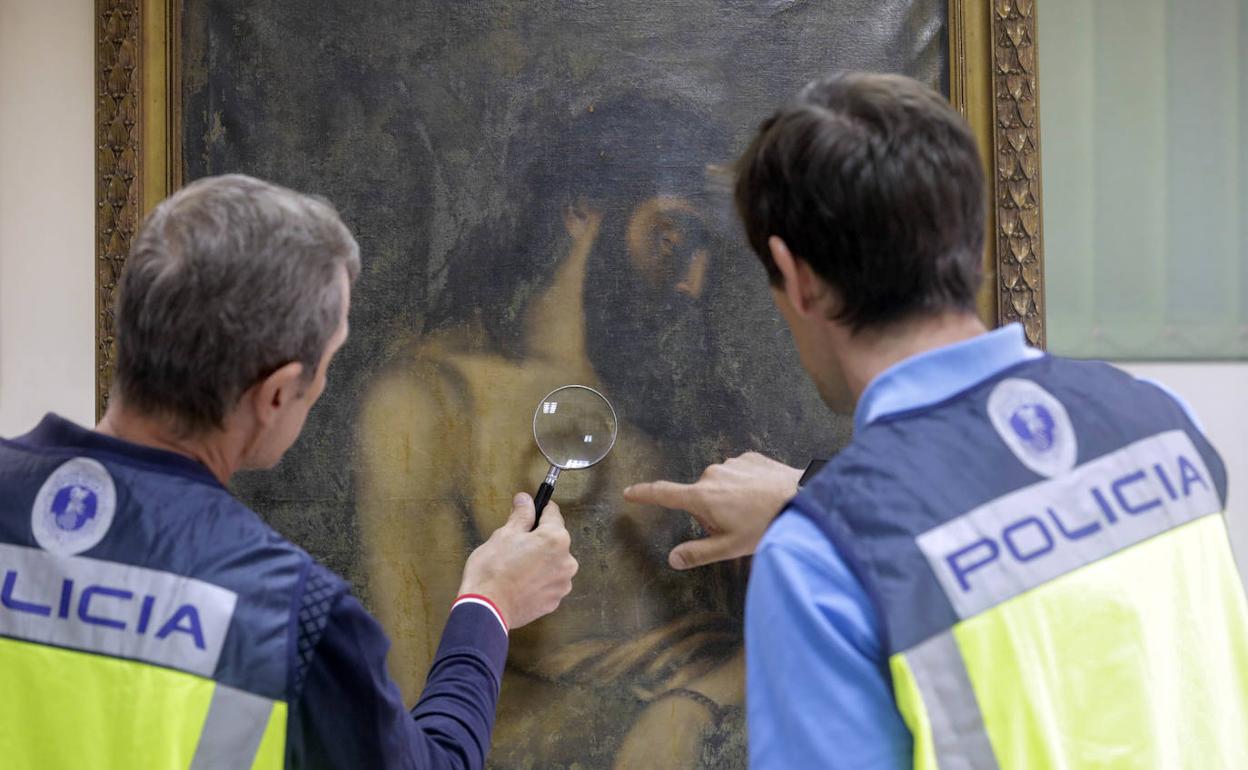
{"x": 212, "y": 450}
{"x": 870, "y": 352}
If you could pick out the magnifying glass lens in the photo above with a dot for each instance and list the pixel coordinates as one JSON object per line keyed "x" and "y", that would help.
{"x": 574, "y": 427}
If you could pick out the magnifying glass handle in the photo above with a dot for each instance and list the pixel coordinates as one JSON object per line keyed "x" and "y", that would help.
{"x": 543, "y": 494}
{"x": 540, "y": 499}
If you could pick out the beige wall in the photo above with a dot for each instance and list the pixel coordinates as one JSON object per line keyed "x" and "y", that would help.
{"x": 46, "y": 217}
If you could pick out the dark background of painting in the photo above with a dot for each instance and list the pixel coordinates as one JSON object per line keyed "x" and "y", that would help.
{"x": 416, "y": 118}
{"x": 405, "y": 115}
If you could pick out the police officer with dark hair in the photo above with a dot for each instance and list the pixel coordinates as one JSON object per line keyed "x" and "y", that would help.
{"x": 1019, "y": 561}
{"x": 148, "y": 610}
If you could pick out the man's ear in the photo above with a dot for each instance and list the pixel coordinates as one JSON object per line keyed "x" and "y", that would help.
{"x": 268, "y": 397}
{"x": 806, "y": 291}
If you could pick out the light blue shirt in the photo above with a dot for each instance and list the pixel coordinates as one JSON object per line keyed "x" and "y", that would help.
{"x": 817, "y": 691}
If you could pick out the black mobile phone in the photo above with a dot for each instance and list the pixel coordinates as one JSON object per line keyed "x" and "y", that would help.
{"x": 812, "y": 468}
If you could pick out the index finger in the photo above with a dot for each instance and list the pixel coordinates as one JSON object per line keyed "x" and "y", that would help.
{"x": 669, "y": 494}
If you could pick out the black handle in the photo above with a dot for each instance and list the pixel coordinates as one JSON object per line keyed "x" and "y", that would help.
{"x": 540, "y": 499}
{"x": 812, "y": 470}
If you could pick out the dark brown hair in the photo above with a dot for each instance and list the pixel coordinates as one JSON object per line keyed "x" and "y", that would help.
{"x": 875, "y": 182}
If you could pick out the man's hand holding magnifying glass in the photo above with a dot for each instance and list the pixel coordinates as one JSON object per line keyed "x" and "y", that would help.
{"x": 524, "y": 571}
{"x": 734, "y": 501}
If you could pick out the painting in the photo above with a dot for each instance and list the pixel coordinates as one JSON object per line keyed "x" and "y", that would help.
{"x": 542, "y": 195}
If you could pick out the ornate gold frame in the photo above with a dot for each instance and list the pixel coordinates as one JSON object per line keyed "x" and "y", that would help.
{"x": 137, "y": 112}
{"x": 992, "y": 80}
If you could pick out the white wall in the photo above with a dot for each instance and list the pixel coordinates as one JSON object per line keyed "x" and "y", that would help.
{"x": 47, "y": 294}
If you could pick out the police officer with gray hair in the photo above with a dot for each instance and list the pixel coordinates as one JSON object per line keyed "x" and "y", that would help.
{"x": 139, "y": 595}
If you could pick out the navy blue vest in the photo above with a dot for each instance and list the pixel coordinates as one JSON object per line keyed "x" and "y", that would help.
{"x": 172, "y": 520}
{"x": 907, "y": 474}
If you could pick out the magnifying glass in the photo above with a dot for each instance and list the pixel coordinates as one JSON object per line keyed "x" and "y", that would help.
{"x": 575, "y": 427}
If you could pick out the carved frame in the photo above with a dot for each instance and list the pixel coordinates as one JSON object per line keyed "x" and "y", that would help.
{"x": 137, "y": 155}
{"x": 993, "y": 81}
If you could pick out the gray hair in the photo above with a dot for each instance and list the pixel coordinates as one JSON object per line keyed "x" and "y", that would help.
{"x": 228, "y": 280}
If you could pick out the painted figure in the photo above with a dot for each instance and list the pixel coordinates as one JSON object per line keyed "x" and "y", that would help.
{"x": 605, "y": 279}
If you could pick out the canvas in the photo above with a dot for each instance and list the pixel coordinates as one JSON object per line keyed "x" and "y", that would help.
{"x": 542, "y": 196}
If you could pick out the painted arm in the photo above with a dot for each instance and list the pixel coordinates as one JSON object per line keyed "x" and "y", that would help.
{"x": 410, "y": 517}
{"x": 415, "y": 529}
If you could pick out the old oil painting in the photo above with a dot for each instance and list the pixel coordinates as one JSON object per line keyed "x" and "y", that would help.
{"x": 541, "y": 192}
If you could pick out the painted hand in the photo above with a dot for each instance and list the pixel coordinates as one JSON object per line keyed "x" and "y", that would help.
{"x": 525, "y": 573}
{"x": 734, "y": 501}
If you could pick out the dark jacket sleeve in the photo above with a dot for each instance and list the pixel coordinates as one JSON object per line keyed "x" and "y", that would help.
{"x": 350, "y": 714}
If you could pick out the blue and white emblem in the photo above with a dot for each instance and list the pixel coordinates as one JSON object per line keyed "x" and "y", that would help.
{"x": 74, "y": 507}
{"x": 1034, "y": 425}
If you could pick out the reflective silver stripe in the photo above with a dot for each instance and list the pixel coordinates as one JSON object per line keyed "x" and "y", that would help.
{"x": 113, "y": 609}
{"x": 232, "y": 732}
{"x": 958, "y": 734}
{"x": 1040, "y": 532}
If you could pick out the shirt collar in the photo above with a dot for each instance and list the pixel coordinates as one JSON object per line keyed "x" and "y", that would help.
{"x": 55, "y": 432}
{"x": 936, "y": 375}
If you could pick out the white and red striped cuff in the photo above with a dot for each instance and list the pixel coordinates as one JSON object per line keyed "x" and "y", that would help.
{"x": 484, "y": 601}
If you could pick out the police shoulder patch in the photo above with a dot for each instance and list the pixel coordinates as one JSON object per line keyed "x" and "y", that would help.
{"x": 1034, "y": 425}
{"x": 74, "y": 508}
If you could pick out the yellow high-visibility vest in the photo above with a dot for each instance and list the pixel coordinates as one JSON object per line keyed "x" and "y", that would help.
{"x": 1049, "y": 559}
